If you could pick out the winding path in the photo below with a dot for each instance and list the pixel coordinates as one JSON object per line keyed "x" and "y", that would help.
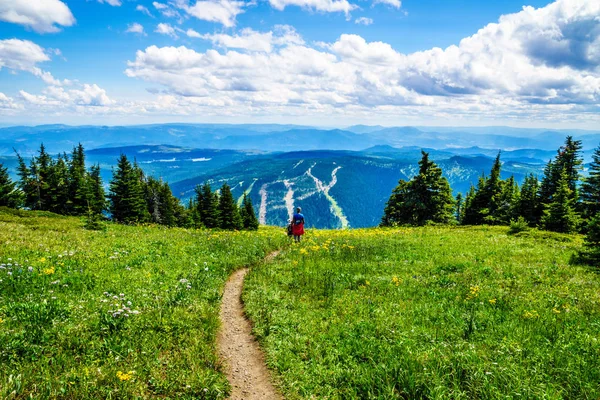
{"x": 244, "y": 362}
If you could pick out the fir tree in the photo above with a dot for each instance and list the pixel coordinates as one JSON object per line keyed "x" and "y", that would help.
{"x": 208, "y": 205}
{"x": 591, "y": 252}
{"x": 459, "y": 207}
{"x": 41, "y": 169}
{"x": 249, "y": 220}
{"x": 78, "y": 190}
{"x": 10, "y": 195}
{"x": 507, "y": 202}
{"x": 425, "y": 198}
{"x": 58, "y": 198}
{"x": 96, "y": 195}
{"x": 476, "y": 208}
{"x": 569, "y": 160}
{"x": 560, "y": 215}
{"x": 528, "y": 205}
{"x": 590, "y": 190}
{"x": 127, "y": 202}
{"x": 229, "y": 214}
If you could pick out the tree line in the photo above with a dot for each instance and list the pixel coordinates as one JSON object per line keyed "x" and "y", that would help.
{"x": 562, "y": 201}
{"x": 65, "y": 186}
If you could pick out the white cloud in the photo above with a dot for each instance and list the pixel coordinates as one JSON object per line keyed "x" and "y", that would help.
{"x": 317, "y": 5}
{"x": 43, "y": 16}
{"x": 223, "y": 12}
{"x": 251, "y": 40}
{"x": 160, "y": 6}
{"x": 393, "y": 3}
{"x": 23, "y": 55}
{"x": 57, "y": 97}
{"x": 114, "y": 3}
{"x": 544, "y": 59}
{"x": 192, "y": 33}
{"x": 166, "y": 29}
{"x": 136, "y": 28}
{"x": 143, "y": 10}
{"x": 363, "y": 21}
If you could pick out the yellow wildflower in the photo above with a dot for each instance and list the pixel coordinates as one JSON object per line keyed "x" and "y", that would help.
{"x": 530, "y": 314}
{"x": 125, "y": 376}
{"x": 492, "y": 301}
{"x": 303, "y": 251}
{"x": 396, "y": 281}
{"x": 48, "y": 271}
{"x": 555, "y": 310}
{"x": 43, "y": 259}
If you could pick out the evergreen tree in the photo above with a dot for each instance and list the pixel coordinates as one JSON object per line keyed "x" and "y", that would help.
{"x": 528, "y": 205}
{"x": 10, "y": 195}
{"x": 96, "y": 194}
{"x": 590, "y": 190}
{"x": 78, "y": 190}
{"x": 459, "y": 207}
{"x": 560, "y": 215}
{"x": 569, "y": 160}
{"x": 507, "y": 202}
{"x": 591, "y": 251}
{"x": 425, "y": 198}
{"x": 127, "y": 202}
{"x": 26, "y": 183}
{"x": 41, "y": 169}
{"x": 229, "y": 214}
{"x": 475, "y": 209}
{"x": 208, "y": 206}
{"x": 249, "y": 220}
{"x": 58, "y": 198}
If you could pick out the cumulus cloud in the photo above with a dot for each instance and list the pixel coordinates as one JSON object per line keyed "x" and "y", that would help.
{"x": 251, "y": 40}
{"x": 143, "y": 10}
{"x": 43, "y": 16}
{"x": 136, "y": 28}
{"x": 393, "y": 3}
{"x": 547, "y": 57}
{"x": 114, "y": 3}
{"x": 53, "y": 96}
{"x": 316, "y": 5}
{"x": 24, "y": 55}
{"x": 363, "y": 21}
{"x": 166, "y": 29}
{"x": 223, "y": 12}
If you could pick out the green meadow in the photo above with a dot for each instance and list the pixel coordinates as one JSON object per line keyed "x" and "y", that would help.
{"x": 429, "y": 313}
{"x": 407, "y": 313}
{"x": 129, "y": 312}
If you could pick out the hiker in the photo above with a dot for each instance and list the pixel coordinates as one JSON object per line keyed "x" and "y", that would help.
{"x": 298, "y": 225}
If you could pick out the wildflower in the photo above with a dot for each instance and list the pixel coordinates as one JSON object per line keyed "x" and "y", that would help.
{"x": 43, "y": 259}
{"x": 396, "y": 281}
{"x": 1, "y": 321}
{"x": 303, "y": 251}
{"x": 492, "y": 301}
{"x": 125, "y": 376}
{"x": 48, "y": 271}
{"x": 30, "y": 269}
{"x": 473, "y": 292}
{"x": 530, "y": 314}
{"x": 555, "y": 310}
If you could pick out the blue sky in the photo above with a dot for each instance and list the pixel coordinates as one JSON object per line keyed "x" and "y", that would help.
{"x": 319, "y": 62}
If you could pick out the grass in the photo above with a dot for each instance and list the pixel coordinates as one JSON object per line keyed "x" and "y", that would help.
{"x": 429, "y": 313}
{"x": 128, "y": 312}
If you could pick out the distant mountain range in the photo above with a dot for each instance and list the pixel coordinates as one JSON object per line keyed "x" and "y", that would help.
{"x": 339, "y": 177}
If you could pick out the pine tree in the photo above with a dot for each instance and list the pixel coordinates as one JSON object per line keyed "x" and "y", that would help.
{"x": 229, "y": 214}
{"x": 208, "y": 207}
{"x": 528, "y": 205}
{"x": 96, "y": 195}
{"x": 127, "y": 202}
{"x": 569, "y": 160}
{"x": 459, "y": 207}
{"x": 560, "y": 215}
{"x": 58, "y": 198}
{"x": 591, "y": 252}
{"x": 590, "y": 190}
{"x": 508, "y": 201}
{"x": 425, "y": 198}
{"x": 10, "y": 195}
{"x": 249, "y": 220}
{"x": 41, "y": 168}
{"x": 26, "y": 183}
{"x": 78, "y": 190}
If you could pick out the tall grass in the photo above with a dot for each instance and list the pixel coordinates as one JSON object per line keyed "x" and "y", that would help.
{"x": 430, "y": 313}
{"x": 128, "y": 312}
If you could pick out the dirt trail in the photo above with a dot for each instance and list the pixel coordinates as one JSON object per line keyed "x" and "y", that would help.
{"x": 244, "y": 362}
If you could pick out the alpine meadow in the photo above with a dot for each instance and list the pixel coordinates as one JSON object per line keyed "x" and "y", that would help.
{"x": 300, "y": 199}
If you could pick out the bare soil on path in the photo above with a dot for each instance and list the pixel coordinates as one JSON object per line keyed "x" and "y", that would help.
{"x": 243, "y": 359}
